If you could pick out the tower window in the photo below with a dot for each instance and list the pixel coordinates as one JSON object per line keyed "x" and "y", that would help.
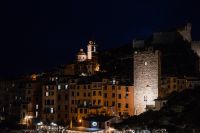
{"x": 145, "y": 98}
{"x": 145, "y": 63}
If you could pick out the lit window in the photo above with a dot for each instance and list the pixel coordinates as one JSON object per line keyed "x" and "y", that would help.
{"x": 51, "y": 110}
{"x": 84, "y": 103}
{"x": 145, "y": 98}
{"x": 59, "y": 87}
{"x": 66, "y": 86}
{"x": 36, "y": 106}
{"x": 145, "y": 63}
{"x": 36, "y": 114}
{"x": 47, "y": 87}
{"x": 113, "y": 81}
{"x": 47, "y": 93}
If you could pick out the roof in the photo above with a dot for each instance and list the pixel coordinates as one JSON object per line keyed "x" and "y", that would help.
{"x": 81, "y": 52}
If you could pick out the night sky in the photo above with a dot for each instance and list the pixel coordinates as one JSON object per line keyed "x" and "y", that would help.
{"x": 37, "y": 35}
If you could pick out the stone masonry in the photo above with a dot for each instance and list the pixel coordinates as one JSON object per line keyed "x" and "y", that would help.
{"x": 147, "y": 71}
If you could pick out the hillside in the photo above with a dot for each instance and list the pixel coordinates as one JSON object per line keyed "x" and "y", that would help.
{"x": 181, "y": 113}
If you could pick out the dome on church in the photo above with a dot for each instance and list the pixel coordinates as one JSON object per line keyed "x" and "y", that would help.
{"x": 81, "y": 52}
{"x": 81, "y": 56}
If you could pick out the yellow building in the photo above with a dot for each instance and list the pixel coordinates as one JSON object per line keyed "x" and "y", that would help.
{"x": 102, "y": 97}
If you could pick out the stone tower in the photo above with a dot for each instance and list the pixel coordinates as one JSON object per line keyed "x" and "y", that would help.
{"x": 91, "y": 48}
{"x": 147, "y": 72}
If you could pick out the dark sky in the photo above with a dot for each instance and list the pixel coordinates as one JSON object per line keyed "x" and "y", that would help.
{"x": 36, "y": 35}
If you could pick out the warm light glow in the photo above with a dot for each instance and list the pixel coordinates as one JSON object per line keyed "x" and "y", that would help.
{"x": 33, "y": 77}
{"x": 40, "y": 123}
{"x": 97, "y": 67}
{"x": 80, "y": 120}
{"x": 28, "y": 117}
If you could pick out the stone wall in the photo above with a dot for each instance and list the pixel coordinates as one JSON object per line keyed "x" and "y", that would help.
{"x": 147, "y": 71}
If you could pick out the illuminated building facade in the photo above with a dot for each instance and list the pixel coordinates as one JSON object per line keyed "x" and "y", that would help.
{"x": 100, "y": 98}
{"x": 147, "y": 72}
{"x": 177, "y": 83}
{"x": 32, "y": 105}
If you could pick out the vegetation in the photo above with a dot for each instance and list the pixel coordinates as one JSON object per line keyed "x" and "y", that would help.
{"x": 181, "y": 113}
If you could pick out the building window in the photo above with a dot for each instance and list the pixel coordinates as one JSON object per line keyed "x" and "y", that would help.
{"x": 36, "y": 106}
{"x": 174, "y": 80}
{"x": 119, "y": 96}
{"x": 105, "y": 103}
{"x": 59, "y": 97}
{"x": 66, "y": 96}
{"x": 85, "y": 111}
{"x": 113, "y": 103}
{"x": 77, "y": 94}
{"x": 113, "y": 95}
{"x": 89, "y": 87}
{"x": 52, "y": 102}
{"x": 72, "y": 101}
{"x": 52, "y": 110}
{"x": 84, "y": 94}
{"x": 47, "y": 93}
{"x": 84, "y": 87}
{"x": 126, "y": 96}
{"x": 119, "y": 88}
{"x": 72, "y": 93}
{"x": 126, "y": 88}
{"x": 59, "y": 87}
{"x": 94, "y": 93}
{"x": 145, "y": 98}
{"x": 77, "y": 87}
{"x": 29, "y": 92}
{"x": 174, "y": 86}
{"x": 113, "y": 87}
{"x": 120, "y": 113}
{"x": 66, "y": 86}
{"x": 105, "y": 95}
{"x": 99, "y": 93}
{"x": 65, "y": 107}
{"x": 58, "y": 107}
{"x": 81, "y": 111}
{"x": 89, "y": 94}
{"x": 119, "y": 105}
{"x": 105, "y": 87}
{"x": 84, "y": 103}
{"x": 99, "y": 102}
{"x": 145, "y": 63}
{"x": 113, "y": 81}
{"x": 47, "y": 87}
{"x": 36, "y": 114}
{"x": 126, "y": 105}
{"x": 94, "y": 102}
